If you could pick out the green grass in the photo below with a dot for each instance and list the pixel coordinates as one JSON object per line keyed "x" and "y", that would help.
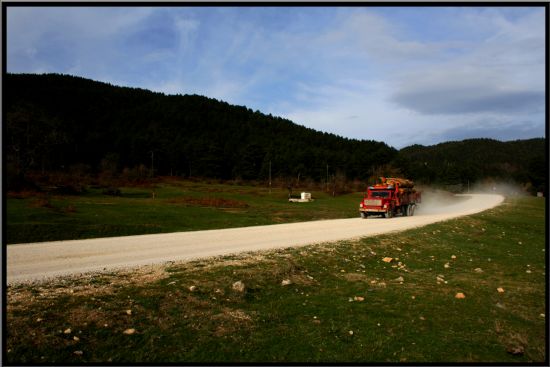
{"x": 92, "y": 215}
{"x": 310, "y": 320}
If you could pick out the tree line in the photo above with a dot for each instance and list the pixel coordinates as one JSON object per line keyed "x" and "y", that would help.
{"x": 62, "y": 123}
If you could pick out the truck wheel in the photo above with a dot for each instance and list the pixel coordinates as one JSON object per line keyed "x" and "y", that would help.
{"x": 364, "y": 215}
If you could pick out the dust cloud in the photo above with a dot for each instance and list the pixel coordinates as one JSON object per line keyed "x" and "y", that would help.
{"x": 436, "y": 201}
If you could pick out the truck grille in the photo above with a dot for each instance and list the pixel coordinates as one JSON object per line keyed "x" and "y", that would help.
{"x": 373, "y": 202}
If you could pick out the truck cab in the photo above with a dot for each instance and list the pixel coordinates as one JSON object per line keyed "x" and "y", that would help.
{"x": 376, "y": 201}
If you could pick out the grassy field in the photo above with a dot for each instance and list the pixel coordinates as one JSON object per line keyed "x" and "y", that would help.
{"x": 334, "y": 302}
{"x": 177, "y": 206}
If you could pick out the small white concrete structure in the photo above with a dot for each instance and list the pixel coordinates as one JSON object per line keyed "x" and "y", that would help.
{"x": 304, "y": 198}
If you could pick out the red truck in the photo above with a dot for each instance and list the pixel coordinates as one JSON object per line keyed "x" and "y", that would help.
{"x": 390, "y": 197}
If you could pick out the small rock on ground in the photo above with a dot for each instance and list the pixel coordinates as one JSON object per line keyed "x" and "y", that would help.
{"x": 515, "y": 349}
{"x": 239, "y": 286}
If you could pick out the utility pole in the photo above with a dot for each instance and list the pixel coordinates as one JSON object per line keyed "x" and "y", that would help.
{"x": 270, "y": 177}
{"x": 327, "y": 179}
{"x": 152, "y": 163}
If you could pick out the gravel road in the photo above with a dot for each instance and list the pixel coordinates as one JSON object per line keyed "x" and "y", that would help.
{"x": 39, "y": 261}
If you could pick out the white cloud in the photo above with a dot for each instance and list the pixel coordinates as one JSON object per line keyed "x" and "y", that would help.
{"x": 351, "y": 71}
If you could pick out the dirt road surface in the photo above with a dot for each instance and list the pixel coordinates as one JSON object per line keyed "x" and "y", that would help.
{"x": 40, "y": 261}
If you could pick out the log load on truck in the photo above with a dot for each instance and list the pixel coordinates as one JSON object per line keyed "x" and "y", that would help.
{"x": 390, "y": 197}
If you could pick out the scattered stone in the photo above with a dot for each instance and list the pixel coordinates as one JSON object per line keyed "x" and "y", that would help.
{"x": 358, "y": 298}
{"x": 500, "y": 305}
{"x": 350, "y": 299}
{"x": 218, "y": 290}
{"x": 192, "y": 288}
{"x": 351, "y": 332}
{"x": 76, "y": 338}
{"x": 528, "y": 271}
{"x": 171, "y": 283}
{"x": 413, "y": 297}
{"x": 128, "y": 312}
{"x": 446, "y": 266}
{"x": 239, "y": 286}
{"x": 105, "y": 325}
{"x": 520, "y": 243}
{"x": 460, "y": 295}
{"x": 373, "y": 282}
{"x": 286, "y": 282}
{"x": 387, "y": 259}
{"x": 129, "y": 331}
{"x": 382, "y": 284}
{"x": 38, "y": 319}
{"x": 478, "y": 270}
{"x": 67, "y": 331}
{"x": 542, "y": 315}
{"x": 78, "y": 352}
{"x": 453, "y": 257}
{"x": 342, "y": 271}
{"x": 399, "y": 279}
{"x": 500, "y": 290}
{"x": 422, "y": 318}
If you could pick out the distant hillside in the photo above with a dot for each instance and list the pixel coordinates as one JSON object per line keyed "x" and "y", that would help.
{"x": 60, "y": 123}
{"x": 452, "y": 163}
{"x": 55, "y": 122}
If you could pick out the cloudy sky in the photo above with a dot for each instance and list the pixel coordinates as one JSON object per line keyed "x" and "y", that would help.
{"x": 403, "y": 75}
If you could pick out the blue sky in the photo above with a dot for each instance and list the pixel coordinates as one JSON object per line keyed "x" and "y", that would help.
{"x": 403, "y": 75}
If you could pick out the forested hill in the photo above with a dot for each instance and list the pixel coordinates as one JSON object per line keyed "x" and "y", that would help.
{"x": 58, "y": 121}
{"x": 473, "y": 160}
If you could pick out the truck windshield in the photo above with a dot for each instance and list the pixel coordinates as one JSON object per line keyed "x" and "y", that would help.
{"x": 379, "y": 194}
